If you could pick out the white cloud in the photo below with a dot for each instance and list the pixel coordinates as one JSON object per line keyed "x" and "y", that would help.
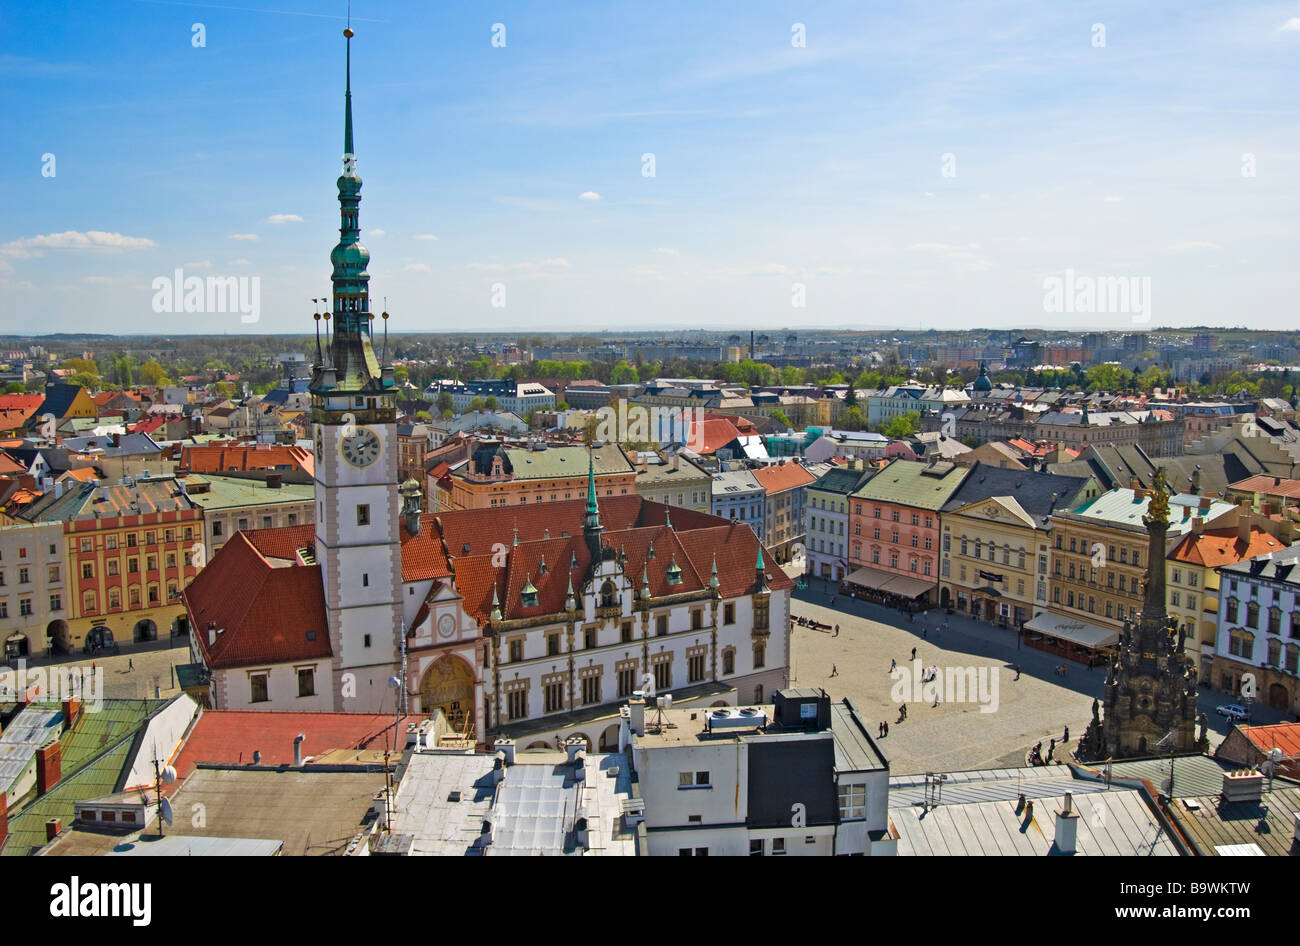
{"x": 425, "y": 236}
{"x": 74, "y": 240}
{"x": 243, "y": 236}
{"x": 200, "y": 264}
{"x": 588, "y": 195}
{"x": 486, "y": 267}
{"x": 1290, "y": 26}
{"x": 667, "y": 251}
{"x": 284, "y": 218}
{"x": 416, "y": 268}
{"x": 374, "y": 233}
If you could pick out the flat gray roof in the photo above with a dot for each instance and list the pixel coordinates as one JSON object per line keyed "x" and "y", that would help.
{"x": 176, "y": 845}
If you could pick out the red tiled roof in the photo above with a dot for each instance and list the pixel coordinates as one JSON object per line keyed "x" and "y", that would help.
{"x": 1269, "y": 485}
{"x": 717, "y": 433}
{"x": 230, "y": 737}
{"x": 223, "y": 459}
{"x": 21, "y": 402}
{"x": 778, "y": 477}
{"x": 264, "y": 613}
{"x": 148, "y": 424}
{"x": 266, "y": 621}
{"x": 1215, "y": 547}
{"x": 1284, "y": 736}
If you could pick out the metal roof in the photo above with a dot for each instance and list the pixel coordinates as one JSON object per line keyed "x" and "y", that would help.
{"x": 178, "y": 845}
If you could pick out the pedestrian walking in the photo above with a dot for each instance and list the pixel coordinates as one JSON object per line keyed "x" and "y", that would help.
{"x": 1066, "y": 737}
{"x": 913, "y": 653}
{"x": 902, "y": 712}
{"x": 837, "y": 631}
{"x": 886, "y": 727}
{"x": 892, "y": 664}
{"x": 832, "y": 601}
{"x": 880, "y": 730}
{"x": 835, "y": 671}
{"x": 1017, "y": 671}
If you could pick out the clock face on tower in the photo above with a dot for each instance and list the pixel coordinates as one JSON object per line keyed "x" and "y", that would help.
{"x": 361, "y": 447}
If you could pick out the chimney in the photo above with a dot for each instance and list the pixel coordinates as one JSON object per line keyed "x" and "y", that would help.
{"x": 572, "y": 746}
{"x": 49, "y": 766}
{"x": 499, "y": 768}
{"x": 297, "y": 749}
{"x": 212, "y": 633}
{"x": 1243, "y": 527}
{"x": 1205, "y": 503}
{"x": 507, "y": 748}
{"x": 1198, "y": 525}
{"x": 52, "y": 829}
{"x": 71, "y": 712}
{"x": 636, "y": 716}
{"x": 677, "y": 461}
{"x": 1067, "y": 827}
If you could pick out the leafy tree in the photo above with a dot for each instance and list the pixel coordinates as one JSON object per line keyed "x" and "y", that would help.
{"x": 15, "y": 387}
{"x": 81, "y": 366}
{"x": 904, "y": 425}
{"x": 851, "y": 419}
{"x": 477, "y": 404}
{"x": 151, "y": 372}
{"x": 624, "y": 373}
{"x": 778, "y": 415}
{"x": 443, "y": 402}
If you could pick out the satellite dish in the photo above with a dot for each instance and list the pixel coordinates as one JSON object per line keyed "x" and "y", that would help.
{"x": 169, "y": 774}
{"x": 165, "y": 810}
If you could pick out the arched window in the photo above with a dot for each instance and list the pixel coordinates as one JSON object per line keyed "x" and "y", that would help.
{"x": 729, "y": 660}
{"x": 608, "y": 595}
{"x": 760, "y": 653}
{"x": 1252, "y": 614}
{"x": 1230, "y": 612}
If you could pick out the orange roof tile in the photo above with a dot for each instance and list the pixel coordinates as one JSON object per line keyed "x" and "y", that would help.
{"x": 1215, "y": 547}
{"x": 778, "y": 477}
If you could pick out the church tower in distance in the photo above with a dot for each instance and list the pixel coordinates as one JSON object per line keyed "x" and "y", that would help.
{"x": 354, "y": 415}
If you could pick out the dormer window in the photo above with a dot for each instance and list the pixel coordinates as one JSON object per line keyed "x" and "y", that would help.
{"x": 528, "y": 594}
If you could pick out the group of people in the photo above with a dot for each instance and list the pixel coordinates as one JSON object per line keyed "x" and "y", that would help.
{"x": 882, "y": 730}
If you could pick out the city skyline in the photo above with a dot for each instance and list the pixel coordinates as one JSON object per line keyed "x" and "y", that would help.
{"x": 919, "y": 170}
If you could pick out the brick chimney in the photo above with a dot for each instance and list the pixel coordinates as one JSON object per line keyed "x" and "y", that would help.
{"x": 49, "y": 766}
{"x": 52, "y": 829}
{"x": 1243, "y": 527}
{"x": 71, "y": 712}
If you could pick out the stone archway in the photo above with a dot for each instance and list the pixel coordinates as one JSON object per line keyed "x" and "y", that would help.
{"x": 1278, "y": 698}
{"x": 448, "y": 685}
{"x": 56, "y": 634}
{"x": 145, "y": 630}
{"x": 609, "y": 739}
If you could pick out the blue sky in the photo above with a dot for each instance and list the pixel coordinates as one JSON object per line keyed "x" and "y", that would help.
{"x": 775, "y": 165}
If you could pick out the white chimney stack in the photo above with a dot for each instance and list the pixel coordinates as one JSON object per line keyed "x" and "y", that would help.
{"x": 297, "y": 749}
{"x": 507, "y": 749}
{"x": 636, "y": 714}
{"x": 1067, "y": 827}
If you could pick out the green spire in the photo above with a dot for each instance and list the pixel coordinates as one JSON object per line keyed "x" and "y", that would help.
{"x": 347, "y": 99}
{"x": 713, "y": 579}
{"x": 591, "y": 519}
{"x": 760, "y": 567}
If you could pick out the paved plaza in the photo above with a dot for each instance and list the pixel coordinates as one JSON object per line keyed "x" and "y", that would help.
{"x": 132, "y": 674}
{"x": 950, "y": 736}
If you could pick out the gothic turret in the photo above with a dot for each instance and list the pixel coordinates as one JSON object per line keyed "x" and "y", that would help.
{"x": 591, "y": 527}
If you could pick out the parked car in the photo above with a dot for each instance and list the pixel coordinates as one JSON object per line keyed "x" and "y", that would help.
{"x": 1238, "y": 714}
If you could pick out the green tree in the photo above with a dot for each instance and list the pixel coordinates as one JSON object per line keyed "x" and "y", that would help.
{"x": 778, "y": 415}
{"x": 443, "y": 402}
{"x": 491, "y": 403}
{"x": 15, "y": 387}
{"x": 477, "y": 404}
{"x": 151, "y": 372}
{"x": 904, "y": 425}
{"x": 851, "y": 419}
{"x": 624, "y": 373}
